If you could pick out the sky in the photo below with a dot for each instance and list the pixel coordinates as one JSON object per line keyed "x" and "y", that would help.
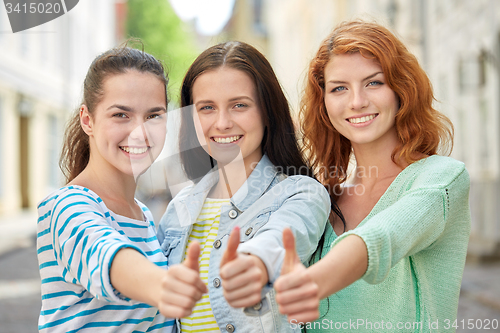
{"x": 210, "y": 16}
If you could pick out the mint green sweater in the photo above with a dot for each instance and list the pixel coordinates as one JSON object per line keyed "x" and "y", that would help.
{"x": 416, "y": 236}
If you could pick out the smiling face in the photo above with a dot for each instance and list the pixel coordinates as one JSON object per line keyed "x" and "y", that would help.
{"x": 127, "y": 129}
{"x": 360, "y": 104}
{"x": 227, "y": 115}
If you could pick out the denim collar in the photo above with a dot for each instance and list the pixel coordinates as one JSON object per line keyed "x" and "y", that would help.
{"x": 256, "y": 185}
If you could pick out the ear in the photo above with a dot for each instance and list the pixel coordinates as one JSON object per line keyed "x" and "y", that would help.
{"x": 86, "y": 120}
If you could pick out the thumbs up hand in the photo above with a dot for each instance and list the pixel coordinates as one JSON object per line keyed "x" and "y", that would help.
{"x": 291, "y": 257}
{"x": 182, "y": 286}
{"x": 296, "y": 292}
{"x": 243, "y": 275}
{"x": 232, "y": 245}
{"x": 193, "y": 254}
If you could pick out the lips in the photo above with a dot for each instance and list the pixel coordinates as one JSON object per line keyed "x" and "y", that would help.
{"x": 360, "y": 120}
{"x": 229, "y": 139}
{"x": 134, "y": 150}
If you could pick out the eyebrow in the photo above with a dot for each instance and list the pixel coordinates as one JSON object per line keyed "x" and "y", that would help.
{"x": 366, "y": 78}
{"x": 240, "y": 97}
{"x": 205, "y": 101}
{"x": 129, "y": 109}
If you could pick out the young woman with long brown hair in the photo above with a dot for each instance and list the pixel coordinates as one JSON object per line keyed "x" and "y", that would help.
{"x": 101, "y": 265}
{"x": 238, "y": 145}
{"x": 396, "y": 254}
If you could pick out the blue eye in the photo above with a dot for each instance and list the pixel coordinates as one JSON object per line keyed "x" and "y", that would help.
{"x": 240, "y": 105}
{"x": 375, "y": 83}
{"x": 206, "y": 108}
{"x": 341, "y": 88}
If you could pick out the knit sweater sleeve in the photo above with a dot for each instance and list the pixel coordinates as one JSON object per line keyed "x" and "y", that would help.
{"x": 413, "y": 222}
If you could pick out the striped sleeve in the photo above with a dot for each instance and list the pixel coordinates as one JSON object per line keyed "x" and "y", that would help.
{"x": 85, "y": 243}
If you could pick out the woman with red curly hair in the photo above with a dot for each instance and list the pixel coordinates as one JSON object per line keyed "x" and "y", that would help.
{"x": 393, "y": 257}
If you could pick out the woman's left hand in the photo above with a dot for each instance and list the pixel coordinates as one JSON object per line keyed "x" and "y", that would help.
{"x": 243, "y": 275}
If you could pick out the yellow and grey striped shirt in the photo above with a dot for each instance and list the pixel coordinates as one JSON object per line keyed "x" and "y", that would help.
{"x": 205, "y": 232}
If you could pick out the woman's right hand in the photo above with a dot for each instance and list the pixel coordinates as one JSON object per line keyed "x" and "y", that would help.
{"x": 182, "y": 286}
{"x": 296, "y": 292}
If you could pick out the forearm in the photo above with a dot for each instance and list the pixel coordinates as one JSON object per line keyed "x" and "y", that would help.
{"x": 134, "y": 276}
{"x": 343, "y": 265}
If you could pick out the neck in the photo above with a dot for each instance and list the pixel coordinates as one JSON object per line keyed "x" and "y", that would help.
{"x": 231, "y": 177}
{"x": 374, "y": 162}
{"x": 108, "y": 184}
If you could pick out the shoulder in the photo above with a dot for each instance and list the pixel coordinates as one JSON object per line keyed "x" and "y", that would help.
{"x": 71, "y": 193}
{"x": 299, "y": 184}
{"x": 436, "y": 171}
{"x": 183, "y": 194}
{"x": 146, "y": 211}
{"x": 70, "y": 196}
{"x": 296, "y": 180}
{"x": 170, "y": 217}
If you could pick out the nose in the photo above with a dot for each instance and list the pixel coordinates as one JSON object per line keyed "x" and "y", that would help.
{"x": 358, "y": 100}
{"x": 223, "y": 121}
{"x": 139, "y": 133}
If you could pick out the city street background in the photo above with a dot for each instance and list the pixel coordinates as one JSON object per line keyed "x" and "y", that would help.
{"x": 42, "y": 69}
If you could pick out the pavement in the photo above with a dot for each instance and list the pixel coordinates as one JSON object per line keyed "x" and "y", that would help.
{"x": 19, "y": 281}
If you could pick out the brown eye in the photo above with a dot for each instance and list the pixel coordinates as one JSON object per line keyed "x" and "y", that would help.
{"x": 155, "y": 116}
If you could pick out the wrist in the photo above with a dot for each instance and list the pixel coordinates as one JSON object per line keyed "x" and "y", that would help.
{"x": 264, "y": 277}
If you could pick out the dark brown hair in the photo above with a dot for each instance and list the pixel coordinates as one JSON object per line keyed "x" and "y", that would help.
{"x": 279, "y": 141}
{"x": 76, "y": 150}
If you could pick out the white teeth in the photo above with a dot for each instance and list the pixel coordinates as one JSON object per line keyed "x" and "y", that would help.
{"x": 362, "y": 119}
{"x": 227, "y": 140}
{"x": 134, "y": 150}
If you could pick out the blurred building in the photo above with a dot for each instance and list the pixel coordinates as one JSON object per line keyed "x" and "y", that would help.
{"x": 41, "y": 77}
{"x": 456, "y": 41}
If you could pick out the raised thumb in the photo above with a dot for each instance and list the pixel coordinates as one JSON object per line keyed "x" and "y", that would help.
{"x": 232, "y": 246}
{"x": 193, "y": 253}
{"x": 291, "y": 257}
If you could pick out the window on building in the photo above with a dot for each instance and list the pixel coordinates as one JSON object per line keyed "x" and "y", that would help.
{"x": 258, "y": 17}
{"x": 53, "y": 153}
{"x": 461, "y": 135}
{"x": 482, "y": 60}
{"x": 392, "y": 12}
{"x": 24, "y": 43}
{"x": 2, "y": 157}
{"x": 469, "y": 74}
{"x": 2, "y": 15}
{"x": 484, "y": 133}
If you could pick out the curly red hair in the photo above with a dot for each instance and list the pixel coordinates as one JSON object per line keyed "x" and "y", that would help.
{"x": 420, "y": 128}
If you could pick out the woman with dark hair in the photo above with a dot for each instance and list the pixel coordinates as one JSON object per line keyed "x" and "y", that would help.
{"x": 237, "y": 135}
{"x": 101, "y": 266}
{"x": 395, "y": 256}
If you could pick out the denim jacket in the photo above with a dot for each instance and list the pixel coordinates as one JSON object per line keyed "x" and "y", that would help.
{"x": 266, "y": 204}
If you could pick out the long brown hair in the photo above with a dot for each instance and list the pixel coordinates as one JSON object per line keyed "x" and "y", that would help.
{"x": 279, "y": 141}
{"x": 420, "y": 128}
{"x": 75, "y": 154}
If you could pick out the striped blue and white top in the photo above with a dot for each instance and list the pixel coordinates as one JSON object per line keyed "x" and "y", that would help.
{"x": 77, "y": 239}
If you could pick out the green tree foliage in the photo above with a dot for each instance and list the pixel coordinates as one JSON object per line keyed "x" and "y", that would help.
{"x": 165, "y": 36}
